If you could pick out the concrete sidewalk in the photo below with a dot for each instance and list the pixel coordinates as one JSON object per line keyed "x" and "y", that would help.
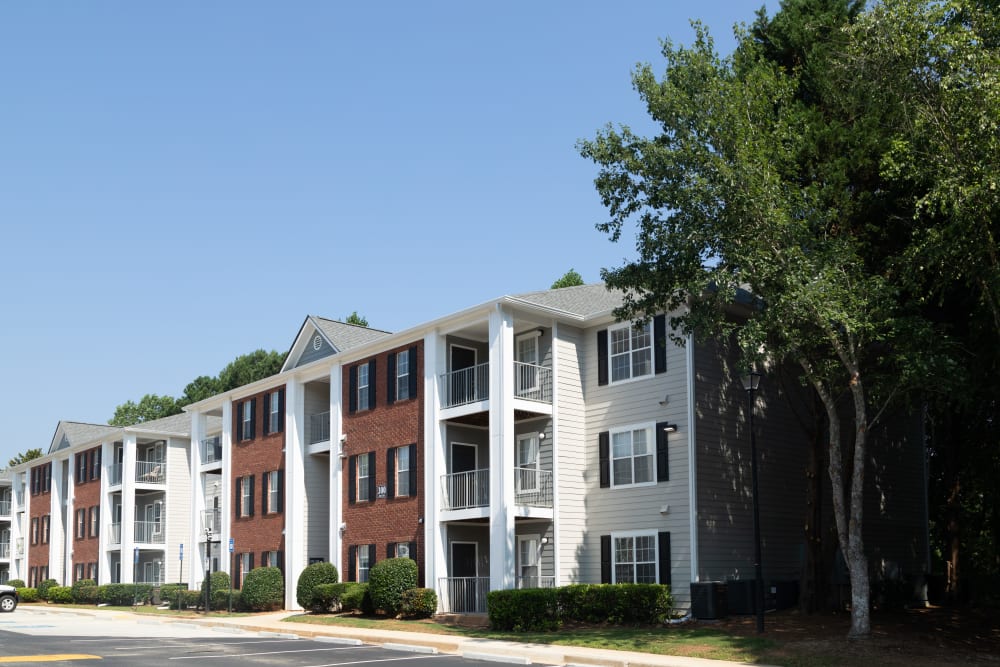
{"x": 476, "y": 649}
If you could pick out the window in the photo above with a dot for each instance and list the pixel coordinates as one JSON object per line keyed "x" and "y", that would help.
{"x": 245, "y": 564}
{"x": 526, "y": 368}
{"x": 95, "y": 467}
{"x": 244, "y": 496}
{"x": 273, "y": 491}
{"x": 365, "y": 560}
{"x": 635, "y": 559}
{"x": 34, "y": 530}
{"x": 361, "y": 477}
{"x": 275, "y": 421}
{"x": 81, "y": 524}
{"x": 92, "y": 571}
{"x": 526, "y": 478}
{"x": 402, "y": 471}
{"x": 363, "y": 380}
{"x": 272, "y": 559}
{"x": 246, "y": 420}
{"x": 631, "y": 457}
{"x": 527, "y": 561}
{"x": 364, "y": 483}
{"x": 95, "y": 513}
{"x": 404, "y": 550}
{"x": 402, "y": 376}
{"x": 631, "y": 351}
{"x": 45, "y": 529}
{"x": 81, "y": 468}
{"x": 78, "y": 571}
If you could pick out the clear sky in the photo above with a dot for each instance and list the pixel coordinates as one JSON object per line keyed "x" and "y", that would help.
{"x": 183, "y": 182}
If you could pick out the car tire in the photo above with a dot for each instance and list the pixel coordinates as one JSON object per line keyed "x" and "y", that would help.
{"x": 8, "y": 603}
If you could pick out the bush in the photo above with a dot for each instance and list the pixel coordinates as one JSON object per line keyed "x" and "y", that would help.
{"x": 27, "y": 594}
{"x": 418, "y": 603}
{"x": 388, "y": 579}
{"x": 617, "y": 604}
{"x": 16, "y": 583}
{"x": 355, "y": 597}
{"x": 326, "y": 597}
{"x": 124, "y": 595}
{"x": 220, "y": 600}
{"x": 191, "y": 599}
{"x": 60, "y": 594}
{"x": 311, "y": 577}
{"x": 43, "y": 588}
{"x": 220, "y": 581}
{"x": 264, "y": 589}
{"x": 171, "y": 593}
{"x": 528, "y": 610}
{"x": 84, "y": 591}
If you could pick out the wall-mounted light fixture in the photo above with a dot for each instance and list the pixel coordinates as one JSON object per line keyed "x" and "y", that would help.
{"x": 343, "y": 527}
{"x": 541, "y": 436}
{"x": 670, "y": 428}
{"x": 343, "y": 438}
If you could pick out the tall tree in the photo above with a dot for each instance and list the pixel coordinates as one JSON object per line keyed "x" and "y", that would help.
{"x": 150, "y": 407}
{"x": 569, "y": 279}
{"x": 354, "y": 318}
{"x": 248, "y": 368}
{"x": 26, "y": 456}
{"x": 751, "y": 184}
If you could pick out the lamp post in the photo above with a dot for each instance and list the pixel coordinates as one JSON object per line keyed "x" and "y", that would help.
{"x": 208, "y": 569}
{"x": 751, "y": 381}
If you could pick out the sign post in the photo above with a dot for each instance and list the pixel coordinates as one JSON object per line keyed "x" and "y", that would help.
{"x": 180, "y": 578}
{"x": 135, "y": 575}
{"x": 232, "y": 548}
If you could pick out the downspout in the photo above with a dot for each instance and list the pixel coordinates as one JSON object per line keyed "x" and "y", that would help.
{"x": 692, "y": 459}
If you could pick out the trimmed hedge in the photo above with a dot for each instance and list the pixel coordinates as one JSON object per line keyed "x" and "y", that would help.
{"x": 388, "y": 579}
{"x": 60, "y": 594}
{"x": 16, "y": 583}
{"x": 28, "y": 594}
{"x": 220, "y": 600}
{"x": 84, "y": 591}
{"x": 311, "y": 577}
{"x": 191, "y": 599}
{"x": 543, "y": 609}
{"x": 220, "y": 580}
{"x": 355, "y": 597}
{"x": 263, "y": 589}
{"x": 124, "y": 595}
{"x": 171, "y": 593}
{"x": 326, "y": 597}
{"x": 527, "y": 610}
{"x": 44, "y": 586}
{"x": 418, "y": 603}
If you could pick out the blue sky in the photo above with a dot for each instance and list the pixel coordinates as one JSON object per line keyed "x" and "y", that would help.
{"x": 183, "y": 182}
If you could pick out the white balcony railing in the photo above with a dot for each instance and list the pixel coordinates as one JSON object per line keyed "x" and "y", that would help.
{"x": 149, "y": 532}
{"x": 4, "y": 508}
{"x": 464, "y": 595}
{"x": 533, "y": 487}
{"x": 115, "y": 533}
{"x": 211, "y": 449}
{"x": 466, "y": 385}
{"x": 151, "y": 472}
{"x": 4, "y": 549}
{"x": 115, "y": 472}
{"x": 211, "y": 520}
{"x": 319, "y": 428}
{"x": 533, "y": 383}
{"x": 466, "y": 489}
{"x": 19, "y": 546}
{"x": 536, "y": 582}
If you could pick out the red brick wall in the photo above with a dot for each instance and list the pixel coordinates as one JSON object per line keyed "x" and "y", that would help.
{"x": 260, "y": 532}
{"x": 41, "y": 505}
{"x": 384, "y": 520}
{"x": 85, "y": 496}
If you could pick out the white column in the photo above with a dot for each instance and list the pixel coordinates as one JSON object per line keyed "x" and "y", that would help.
{"x": 190, "y": 567}
{"x": 556, "y": 479}
{"x": 501, "y": 449}
{"x": 65, "y": 530}
{"x": 128, "y": 509}
{"x": 435, "y": 465}
{"x": 336, "y": 509}
{"x": 226, "y": 503}
{"x": 296, "y": 509}
{"x": 17, "y": 513}
{"x": 104, "y": 515}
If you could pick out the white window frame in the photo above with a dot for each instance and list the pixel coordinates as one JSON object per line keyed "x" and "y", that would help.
{"x": 273, "y": 480}
{"x": 650, "y": 431}
{"x": 246, "y": 423}
{"x": 368, "y": 558}
{"x": 528, "y": 382}
{"x": 81, "y": 523}
{"x": 634, "y": 563}
{"x": 244, "y": 565}
{"x": 524, "y": 481}
{"x": 272, "y": 559}
{"x": 402, "y": 547}
{"x": 274, "y": 412}
{"x": 534, "y": 543}
{"x": 246, "y": 496}
{"x": 403, "y": 378}
{"x": 403, "y": 474}
{"x": 630, "y": 351}
{"x": 362, "y": 488}
{"x": 94, "y": 520}
{"x": 363, "y": 386}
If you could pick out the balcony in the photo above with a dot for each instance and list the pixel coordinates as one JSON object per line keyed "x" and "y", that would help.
{"x": 319, "y": 428}
{"x": 149, "y": 532}
{"x": 4, "y": 549}
{"x": 115, "y": 474}
{"x": 466, "y": 385}
{"x": 211, "y": 449}
{"x": 536, "y": 582}
{"x": 115, "y": 533}
{"x": 211, "y": 520}
{"x": 19, "y": 546}
{"x": 464, "y": 595}
{"x": 532, "y": 487}
{"x": 150, "y": 472}
{"x": 533, "y": 383}
{"x": 4, "y": 508}
{"x": 462, "y": 490}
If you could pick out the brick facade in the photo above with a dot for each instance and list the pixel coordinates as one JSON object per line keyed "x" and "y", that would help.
{"x": 383, "y": 521}
{"x": 262, "y": 531}
{"x": 40, "y": 488}
{"x": 86, "y": 497}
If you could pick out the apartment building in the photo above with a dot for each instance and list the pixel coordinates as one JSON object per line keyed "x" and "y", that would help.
{"x": 531, "y": 440}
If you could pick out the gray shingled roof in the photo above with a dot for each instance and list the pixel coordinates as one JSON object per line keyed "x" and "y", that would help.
{"x": 583, "y": 300}
{"x": 346, "y": 336}
{"x": 75, "y": 433}
{"x": 172, "y": 425}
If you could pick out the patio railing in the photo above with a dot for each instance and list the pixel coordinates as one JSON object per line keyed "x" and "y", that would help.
{"x": 532, "y": 382}
{"x": 466, "y": 385}
{"x": 464, "y": 595}
{"x": 466, "y": 489}
{"x": 319, "y": 428}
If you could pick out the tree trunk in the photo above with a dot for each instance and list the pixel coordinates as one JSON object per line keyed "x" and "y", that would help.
{"x": 857, "y": 563}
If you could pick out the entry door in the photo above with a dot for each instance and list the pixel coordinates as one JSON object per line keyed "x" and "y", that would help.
{"x": 469, "y": 490}
{"x": 464, "y": 572}
{"x": 463, "y": 385}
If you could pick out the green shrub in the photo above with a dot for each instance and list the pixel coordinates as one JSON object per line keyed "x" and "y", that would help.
{"x": 16, "y": 583}
{"x": 60, "y": 594}
{"x": 27, "y": 594}
{"x": 191, "y": 599}
{"x": 354, "y": 596}
{"x": 527, "y": 610}
{"x": 388, "y": 579}
{"x": 43, "y": 588}
{"x": 326, "y": 597}
{"x": 171, "y": 593}
{"x": 85, "y": 591}
{"x": 220, "y": 581}
{"x": 617, "y": 604}
{"x": 264, "y": 589}
{"x": 124, "y": 595}
{"x": 418, "y": 603}
{"x": 220, "y": 600}
{"x": 311, "y": 577}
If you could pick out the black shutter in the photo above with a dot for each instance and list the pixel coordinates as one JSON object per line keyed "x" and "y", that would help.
{"x": 660, "y": 344}
{"x": 662, "y": 453}
{"x": 413, "y": 550}
{"x": 263, "y": 493}
{"x": 390, "y": 550}
{"x": 413, "y": 371}
{"x": 238, "y": 503}
{"x": 251, "y": 562}
{"x": 604, "y": 454}
{"x": 281, "y": 491}
{"x": 281, "y": 561}
{"x": 253, "y": 419}
{"x": 352, "y": 390}
{"x": 250, "y": 478}
{"x": 605, "y": 559}
{"x": 352, "y": 561}
{"x": 267, "y": 413}
{"x": 371, "y": 384}
{"x": 371, "y": 558}
{"x": 602, "y": 357}
{"x": 664, "y": 564}
{"x": 371, "y": 479}
{"x": 390, "y": 472}
{"x": 390, "y": 375}
{"x": 237, "y": 579}
{"x": 281, "y": 410}
{"x": 352, "y": 480}
{"x": 413, "y": 471}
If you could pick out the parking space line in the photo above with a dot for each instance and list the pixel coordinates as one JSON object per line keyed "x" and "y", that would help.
{"x": 49, "y": 658}
{"x": 365, "y": 662}
{"x": 248, "y": 655}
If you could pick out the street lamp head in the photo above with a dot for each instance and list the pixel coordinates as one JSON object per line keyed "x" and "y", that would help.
{"x": 751, "y": 380}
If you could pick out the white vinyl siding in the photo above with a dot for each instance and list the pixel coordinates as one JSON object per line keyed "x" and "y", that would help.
{"x": 572, "y": 476}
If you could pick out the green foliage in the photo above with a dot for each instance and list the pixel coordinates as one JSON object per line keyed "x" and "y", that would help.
{"x": 326, "y": 597}
{"x": 16, "y": 583}
{"x": 311, "y": 577}
{"x": 44, "y": 586}
{"x": 150, "y": 407}
{"x": 354, "y": 318}
{"x": 84, "y": 591}
{"x": 220, "y": 600}
{"x": 569, "y": 279}
{"x": 24, "y": 457}
{"x": 220, "y": 580}
{"x": 60, "y": 594}
{"x": 263, "y": 589}
{"x": 387, "y": 580}
{"x": 249, "y": 368}
{"x": 527, "y": 610}
{"x": 123, "y": 595}
{"x": 199, "y": 389}
{"x": 355, "y": 597}
{"x": 545, "y": 609}
{"x": 28, "y": 594}
{"x": 418, "y": 603}
{"x": 171, "y": 593}
{"x": 191, "y": 599}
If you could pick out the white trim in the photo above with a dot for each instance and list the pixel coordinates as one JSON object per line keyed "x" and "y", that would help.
{"x": 451, "y": 556}
{"x": 518, "y": 565}
{"x": 650, "y": 428}
{"x": 652, "y": 353}
{"x": 475, "y": 355}
{"x": 633, "y": 534}
{"x": 556, "y": 479}
{"x": 692, "y": 460}
{"x": 451, "y": 455}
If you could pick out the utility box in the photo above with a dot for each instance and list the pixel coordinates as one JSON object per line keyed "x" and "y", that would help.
{"x": 708, "y": 600}
{"x": 741, "y": 596}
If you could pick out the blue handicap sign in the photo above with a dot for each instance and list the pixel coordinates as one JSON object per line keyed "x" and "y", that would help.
{"x": 182, "y": 551}
{"x": 135, "y": 555}
{"x": 232, "y": 545}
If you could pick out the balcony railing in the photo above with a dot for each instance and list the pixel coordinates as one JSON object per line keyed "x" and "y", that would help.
{"x": 319, "y": 428}
{"x": 4, "y": 508}
{"x": 464, "y": 595}
{"x": 115, "y": 533}
{"x": 115, "y": 471}
{"x": 149, "y": 532}
{"x": 533, "y": 383}
{"x": 150, "y": 472}
{"x": 533, "y": 487}
{"x": 466, "y": 489}
{"x": 211, "y": 520}
{"x": 536, "y": 582}
{"x": 4, "y": 549}
{"x": 466, "y": 385}
{"x": 19, "y": 546}
{"x": 211, "y": 449}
